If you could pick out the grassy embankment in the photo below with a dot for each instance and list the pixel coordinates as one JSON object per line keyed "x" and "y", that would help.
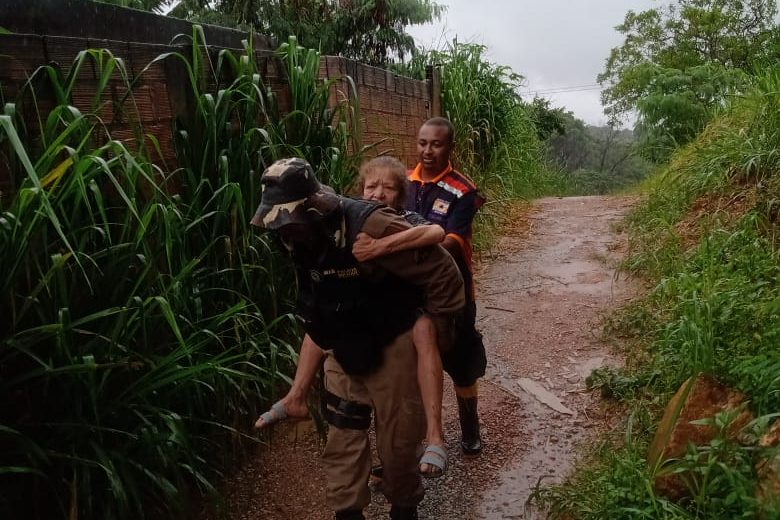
{"x": 706, "y": 240}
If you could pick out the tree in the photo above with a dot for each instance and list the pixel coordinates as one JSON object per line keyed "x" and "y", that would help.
{"x": 156, "y": 6}
{"x": 597, "y": 159}
{"x": 371, "y": 31}
{"x": 548, "y": 121}
{"x": 679, "y": 64}
{"x": 570, "y": 149}
{"x": 677, "y": 104}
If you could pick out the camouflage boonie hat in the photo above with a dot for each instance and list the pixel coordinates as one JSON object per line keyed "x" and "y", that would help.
{"x": 292, "y": 195}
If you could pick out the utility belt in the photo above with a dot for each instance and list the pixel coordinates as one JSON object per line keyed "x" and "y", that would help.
{"x": 344, "y": 414}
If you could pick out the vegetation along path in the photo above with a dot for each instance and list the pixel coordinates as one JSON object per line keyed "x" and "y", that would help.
{"x": 543, "y": 292}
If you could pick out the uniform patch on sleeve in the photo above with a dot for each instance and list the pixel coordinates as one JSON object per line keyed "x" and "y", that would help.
{"x": 440, "y": 206}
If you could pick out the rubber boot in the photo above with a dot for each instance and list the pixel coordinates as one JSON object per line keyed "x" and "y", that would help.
{"x": 376, "y": 477}
{"x": 471, "y": 442}
{"x": 350, "y": 514}
{"x": 403, "y": 513}
{"x": 377, "y": 472}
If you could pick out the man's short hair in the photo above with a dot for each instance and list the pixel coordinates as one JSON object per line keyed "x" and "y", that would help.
{"x": 446, "y": 123}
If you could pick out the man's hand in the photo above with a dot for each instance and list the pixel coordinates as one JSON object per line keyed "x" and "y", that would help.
{"x": 366, "y": 248}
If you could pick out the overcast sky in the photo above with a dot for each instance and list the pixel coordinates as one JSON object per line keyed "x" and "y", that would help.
{"x": 555, "y": 44}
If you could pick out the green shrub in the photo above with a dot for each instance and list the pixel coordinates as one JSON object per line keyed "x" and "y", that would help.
{"x": 144, "y": 322}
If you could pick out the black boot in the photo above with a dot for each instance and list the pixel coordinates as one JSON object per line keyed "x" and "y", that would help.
{"x": 350, "y": 514}
{"x": 470, "y": 443}
{"x": 403, "y": 513}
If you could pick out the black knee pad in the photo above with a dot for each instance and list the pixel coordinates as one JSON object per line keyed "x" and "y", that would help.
{"x": 347, "y": 415}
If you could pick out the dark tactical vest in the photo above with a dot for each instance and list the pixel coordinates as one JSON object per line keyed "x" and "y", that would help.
{"x": 354, "y": 309}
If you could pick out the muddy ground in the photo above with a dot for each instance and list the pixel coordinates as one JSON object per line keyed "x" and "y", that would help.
{"x": 543, "y": 292}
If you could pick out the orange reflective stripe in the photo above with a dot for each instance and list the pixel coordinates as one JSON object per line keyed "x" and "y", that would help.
{"x": 415, "y": 175}
{"x": 459, "y": 239}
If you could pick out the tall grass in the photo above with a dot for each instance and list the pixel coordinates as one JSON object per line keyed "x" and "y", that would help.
{"x": 142, "y": 320}
{"x": 329, "y": 137}
{"x": 496, "y": 140}
{"x": 707, "y": 237}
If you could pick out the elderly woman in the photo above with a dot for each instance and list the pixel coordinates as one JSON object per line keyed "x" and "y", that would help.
{"x": 383, "y": 179}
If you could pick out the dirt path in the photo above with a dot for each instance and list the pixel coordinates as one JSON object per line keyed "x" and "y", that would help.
{"x": 542, "y": 300}
{"x": 541, "y": 295}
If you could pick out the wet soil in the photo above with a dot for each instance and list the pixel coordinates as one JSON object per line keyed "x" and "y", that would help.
{"x": 543, "y": 292}
{"x": 543, "y": 300}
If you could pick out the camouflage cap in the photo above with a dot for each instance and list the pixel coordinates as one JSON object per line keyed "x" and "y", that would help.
{"x": 292, "y": 195}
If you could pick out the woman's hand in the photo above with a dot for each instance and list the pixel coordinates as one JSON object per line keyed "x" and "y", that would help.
{"x": 366, "y": 248}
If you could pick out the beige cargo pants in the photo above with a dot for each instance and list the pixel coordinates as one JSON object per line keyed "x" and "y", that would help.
{"x": 393, "y": 393}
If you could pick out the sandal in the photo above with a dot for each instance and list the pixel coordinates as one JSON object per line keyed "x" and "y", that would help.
{"x": 436, "y": 458}
{"x": 276, "y": 414}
